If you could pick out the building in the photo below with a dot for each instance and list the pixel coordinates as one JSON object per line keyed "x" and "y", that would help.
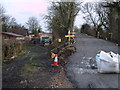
{"x": 20, "y": 31}
{"x": 9, "y": 35}
{"x": 41, "y": 35}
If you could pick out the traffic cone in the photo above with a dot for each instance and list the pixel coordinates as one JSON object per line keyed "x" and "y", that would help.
{"x": 52, "y": 55}
{"x": 56, "y": 61}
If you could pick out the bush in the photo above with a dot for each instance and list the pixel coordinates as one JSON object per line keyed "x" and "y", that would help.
{"x": 12, "y": 48}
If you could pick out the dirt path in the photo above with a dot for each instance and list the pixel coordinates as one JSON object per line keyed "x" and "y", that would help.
{"x": 34, "y": 71}
{"x": 79, "y": 70}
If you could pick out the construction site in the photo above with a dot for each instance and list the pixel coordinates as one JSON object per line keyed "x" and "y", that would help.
{"x": 71, "y": 45}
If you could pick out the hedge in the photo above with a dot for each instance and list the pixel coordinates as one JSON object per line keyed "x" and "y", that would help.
{"x": 11, "y": 48}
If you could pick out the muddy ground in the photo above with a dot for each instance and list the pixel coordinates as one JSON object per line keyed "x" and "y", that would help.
{"x": 34, "y": 70}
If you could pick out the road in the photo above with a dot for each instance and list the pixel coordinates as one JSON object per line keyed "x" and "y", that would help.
{"x": 78, "y": 70}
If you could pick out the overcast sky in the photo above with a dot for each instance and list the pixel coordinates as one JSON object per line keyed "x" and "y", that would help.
{"x": 23, "y": 9}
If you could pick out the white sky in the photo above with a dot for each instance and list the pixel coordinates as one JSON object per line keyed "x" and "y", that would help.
{"x": 23, "y": 9}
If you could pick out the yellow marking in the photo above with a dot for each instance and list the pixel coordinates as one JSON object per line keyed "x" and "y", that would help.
{"x": 73, "y": 32}
{"x": 69, "y": 35}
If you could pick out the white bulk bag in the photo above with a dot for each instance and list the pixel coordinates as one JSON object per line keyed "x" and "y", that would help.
{"x": 107, "y": 63}
{"x": 105, "y": 56}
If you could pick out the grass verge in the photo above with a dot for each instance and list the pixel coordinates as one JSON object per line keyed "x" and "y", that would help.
{"x": 29, "y": 68}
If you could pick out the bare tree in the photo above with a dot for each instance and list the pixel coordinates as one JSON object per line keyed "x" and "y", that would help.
{"x": 97, "y": 15}
{"x": 2, "y": 11}
{"x": 7, "y": 22}
{"x": 105, "y": 17}
{"x": 90, "y": 16}
{"x": 33, "y": 25}
{"x": 61, "y": 17}
{"x": 114, "y": 18}
{"x": 12, "y": 22}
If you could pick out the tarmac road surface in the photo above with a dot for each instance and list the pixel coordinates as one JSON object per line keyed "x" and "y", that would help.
{"x": 79, "y": 70}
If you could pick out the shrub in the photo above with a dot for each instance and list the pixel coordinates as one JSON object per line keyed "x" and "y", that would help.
{"x": 11, "y": 48}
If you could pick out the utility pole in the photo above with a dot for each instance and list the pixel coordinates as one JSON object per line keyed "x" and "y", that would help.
{"x": 69, "y": 37}
{"x": 98, "y": 34}
{"x": 111, "y": 36}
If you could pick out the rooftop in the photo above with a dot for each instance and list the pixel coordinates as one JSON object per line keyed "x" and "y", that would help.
{"x": 12, "y": 34}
